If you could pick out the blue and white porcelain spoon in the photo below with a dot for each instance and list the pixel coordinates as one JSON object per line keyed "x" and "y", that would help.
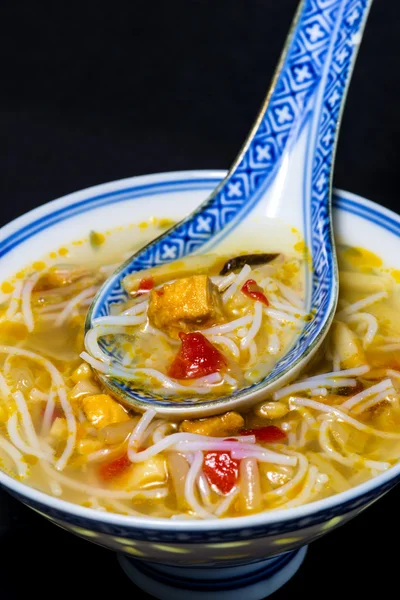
{"x": 283, "y": 171}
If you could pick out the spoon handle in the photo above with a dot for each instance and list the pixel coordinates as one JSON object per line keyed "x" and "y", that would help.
{"x": 310, "y": 84}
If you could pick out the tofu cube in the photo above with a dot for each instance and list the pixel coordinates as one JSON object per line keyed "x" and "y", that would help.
{"x": 222, "y": 425}
{"x": 185, "y": 305}
{"x": 143, "y": 475}
{"x": 102, "y": 410}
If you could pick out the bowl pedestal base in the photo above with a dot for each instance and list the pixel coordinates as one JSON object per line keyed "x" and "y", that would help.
{"x": 253, "y": 581}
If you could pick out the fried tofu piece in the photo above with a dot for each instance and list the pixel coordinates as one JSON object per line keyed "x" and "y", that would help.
{"x": 185, "y": 305}
{"x": 62, "y": 275}
{"x": 102, "y": 410}
{"x": 139, "y": 476}
{"x": 220, "y": 426}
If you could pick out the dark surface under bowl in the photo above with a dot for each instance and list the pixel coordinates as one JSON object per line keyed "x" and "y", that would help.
{"x": 356, "y": 560}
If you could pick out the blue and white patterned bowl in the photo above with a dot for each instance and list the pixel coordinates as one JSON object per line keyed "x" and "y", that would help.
{"x": 237, "y": 543}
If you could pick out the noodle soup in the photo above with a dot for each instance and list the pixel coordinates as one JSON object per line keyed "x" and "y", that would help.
{"x": 205, "y": 325}
{"x": 336, "y": 426}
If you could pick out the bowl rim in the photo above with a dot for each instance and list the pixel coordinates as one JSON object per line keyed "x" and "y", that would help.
{"x": 357, "y": 205}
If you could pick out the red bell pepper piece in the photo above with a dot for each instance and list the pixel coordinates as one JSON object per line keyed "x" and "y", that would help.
{"x": 145, "y": 285}
{"x": 197, "y": 357}
{"x": 115, "y": 467}
{"x": 221, "y": 470}
{"x": 269, "y": 434}
{"x": 252, "y": 290}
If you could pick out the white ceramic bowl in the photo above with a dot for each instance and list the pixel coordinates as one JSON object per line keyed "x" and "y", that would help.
{"x": 168, "y": 558}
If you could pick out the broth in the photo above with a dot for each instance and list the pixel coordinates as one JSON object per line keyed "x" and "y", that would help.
{"x": 336, "y": 426}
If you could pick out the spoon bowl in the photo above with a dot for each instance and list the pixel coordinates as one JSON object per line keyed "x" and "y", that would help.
{"x": 284, "y": 173}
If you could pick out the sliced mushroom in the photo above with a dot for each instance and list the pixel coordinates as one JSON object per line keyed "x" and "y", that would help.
{"x": 252, "y": 260}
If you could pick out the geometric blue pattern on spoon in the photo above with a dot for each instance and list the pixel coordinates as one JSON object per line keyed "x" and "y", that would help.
{"x": 307, "y": 95}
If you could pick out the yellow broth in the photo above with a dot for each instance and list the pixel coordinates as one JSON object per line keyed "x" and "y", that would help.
{"x": 60, "y": 432}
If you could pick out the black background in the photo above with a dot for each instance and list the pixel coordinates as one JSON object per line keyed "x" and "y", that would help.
{"x": 91, "y": 93}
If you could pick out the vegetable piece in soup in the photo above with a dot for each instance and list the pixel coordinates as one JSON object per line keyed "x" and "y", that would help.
{"x": 185, "y": 305}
